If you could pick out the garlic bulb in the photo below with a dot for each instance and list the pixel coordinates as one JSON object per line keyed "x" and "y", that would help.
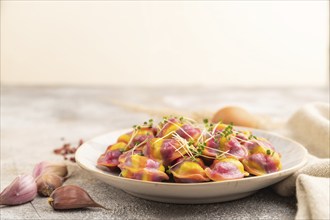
{"x": 23, "y": 189}
{"x": 59, "y": 169}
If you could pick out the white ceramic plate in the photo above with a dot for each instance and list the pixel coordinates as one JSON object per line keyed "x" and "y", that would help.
{"x": 293, "y": 158}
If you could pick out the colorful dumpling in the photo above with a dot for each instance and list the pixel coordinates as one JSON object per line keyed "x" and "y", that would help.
{"x": 174, "y": 125}
{"x": 163, "y": 150}
{"x": 168, "y": 127}
{"x": 236, "y": 149}
{"x": 259, "y": 164}
{"x": 225, "y": 169}
{"x": 223, "y": 145}
{"x": 188, "y": 132}
{"x": 189, "y": 171}
{"x": 243, "y": 136}
{"x": 109, "y": 159}
{"x": 259, "y": 145}
{"x": 137, "y": 136}
{"x": 212, "y": 148}
{"x": 129, "y": 153}
{"x": 262, "y": 158}
{"x": 225, "y": 139}
{"x": 142, "y": 168}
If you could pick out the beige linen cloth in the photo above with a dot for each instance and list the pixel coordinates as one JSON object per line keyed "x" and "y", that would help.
{"x": 310, "y": 126}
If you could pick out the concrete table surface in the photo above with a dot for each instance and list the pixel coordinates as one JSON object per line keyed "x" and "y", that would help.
{"x": 34, "y": 121}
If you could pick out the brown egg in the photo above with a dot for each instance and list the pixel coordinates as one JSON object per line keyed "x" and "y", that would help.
{"x": 236, "y": 115}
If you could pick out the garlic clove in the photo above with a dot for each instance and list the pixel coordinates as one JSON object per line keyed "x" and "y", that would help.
{"x": 59, "y": 169}
{"x": 23, "y": 189}
{"x": 47, "y": 183}
{"x": 71, "y": 197}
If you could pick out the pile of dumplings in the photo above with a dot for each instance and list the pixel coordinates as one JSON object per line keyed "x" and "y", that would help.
{"x": 180, "y": 150}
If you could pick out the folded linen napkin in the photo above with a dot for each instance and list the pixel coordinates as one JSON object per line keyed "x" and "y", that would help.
{"x": 310, "y": 126}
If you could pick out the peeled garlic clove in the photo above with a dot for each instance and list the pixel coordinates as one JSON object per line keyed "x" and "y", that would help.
{"x": 47, "y": 183}
{"x": 71, "y": 197}
{"x": 59, "y": 169}
{"x": 23, "y": 189}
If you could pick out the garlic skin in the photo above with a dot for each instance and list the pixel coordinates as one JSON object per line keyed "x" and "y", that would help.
{"x": 47, "y": 183}
{"x": 71, "y": 197}
{"x": 59, "y": 169}
{"x": 23, "y": 189}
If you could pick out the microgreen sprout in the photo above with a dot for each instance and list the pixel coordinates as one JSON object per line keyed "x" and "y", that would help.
{"x": 138, "y": 145}
{"x": 252, "y": 137}
{"x": 209, "y": 126}
{"x": 200, "y": 148}
{"x": 150, "y": 123}
{"x": 217, "y": 138}
{"x": 190, "y": 142}
{"x": 165, "y": 119}
{"x": 134, "y": 133}
{"x": 227, "y": 131}
{"x": 194, "y": 159}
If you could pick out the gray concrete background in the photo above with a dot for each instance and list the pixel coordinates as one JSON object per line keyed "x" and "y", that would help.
{"x": 35, "y": 119}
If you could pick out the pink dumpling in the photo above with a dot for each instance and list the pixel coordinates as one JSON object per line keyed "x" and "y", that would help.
{"x": 225, "y": 169}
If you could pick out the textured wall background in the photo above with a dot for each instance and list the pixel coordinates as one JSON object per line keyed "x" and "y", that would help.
{"x": 251, "y": 43}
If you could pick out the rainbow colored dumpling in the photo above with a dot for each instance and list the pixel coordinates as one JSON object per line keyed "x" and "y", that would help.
{"x": 163, "y": 150}
{"x": 235, "y": 148}
{"x": 137, "y": 137}
{"x": 232, "y": 141}
{"x": 262, "y": 158}
{"x": 212, "y": 148}
{"x": 109, "y": 159}
{"x": 129, "y": 153}
{"x": 189, "y": 171}
{"x": 176, "y": 126}
{"x": 142, "y": 168}
{"x": 225, "y": 169}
